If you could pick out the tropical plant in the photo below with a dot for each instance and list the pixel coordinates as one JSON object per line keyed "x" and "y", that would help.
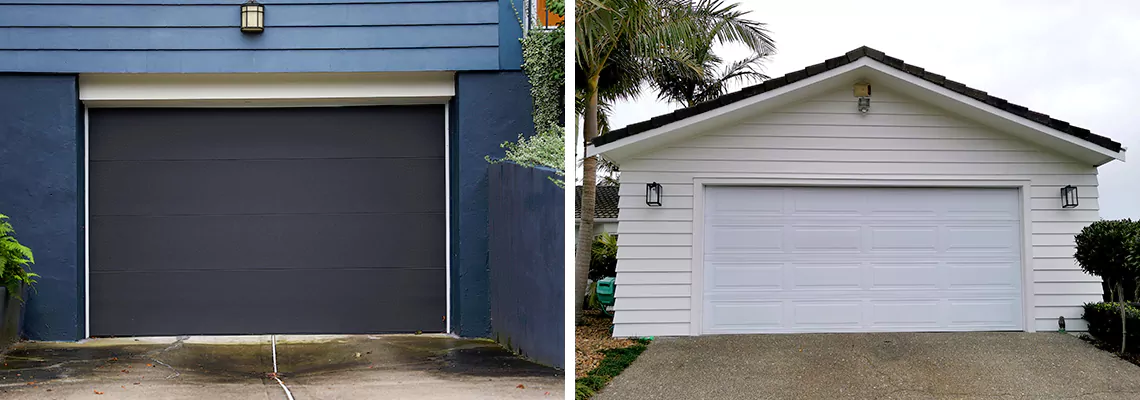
{"x": 14, "y": 260}
{"x": 679, "y": 83}
{"x": 603, "y": 260}
{"x": 616, "y": 44}
{"x": 1105, "y": 249}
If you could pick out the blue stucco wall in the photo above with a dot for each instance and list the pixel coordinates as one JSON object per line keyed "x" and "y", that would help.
{"x": 177, "y": 36}
{"x": 41, "y": 181}
{"x": 527, "y": 262}
{"x": 488, "y": 109}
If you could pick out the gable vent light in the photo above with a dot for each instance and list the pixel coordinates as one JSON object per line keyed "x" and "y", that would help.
{"x": 863, "y": 93}
{"x": 653, "y": 194}
{"x": 1069, "y": 197}
{"x": 252, "y": 17}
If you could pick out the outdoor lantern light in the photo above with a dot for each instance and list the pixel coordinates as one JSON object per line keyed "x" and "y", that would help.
{"x": 1069, "y": 197}
{"x": 252, "y": 17}
{"x": 653, "y": 194}
{"x": 863, "y": 93}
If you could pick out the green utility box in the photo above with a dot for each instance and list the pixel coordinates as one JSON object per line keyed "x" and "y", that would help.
{"x": 605, "y": 292}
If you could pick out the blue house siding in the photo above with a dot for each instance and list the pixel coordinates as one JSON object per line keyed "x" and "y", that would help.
{"x": 189, "y": 36}
{"x": 41, "y": 132}
{"x": 489, "y": 108}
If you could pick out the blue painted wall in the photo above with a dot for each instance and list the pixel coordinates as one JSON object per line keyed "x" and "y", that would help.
{"x": 40, "y": 157}
{"x": 489, "y": 108}
{"x": 527, "y": 262}
{"x": 175, "y": 36}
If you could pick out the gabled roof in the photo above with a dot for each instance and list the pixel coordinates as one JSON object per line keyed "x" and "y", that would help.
{"x": 606, "y": 205}
{"x": 851, "y": 57}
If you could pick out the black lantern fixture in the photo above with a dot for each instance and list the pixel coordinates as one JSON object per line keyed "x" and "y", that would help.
{"x": 252, "y": 17}
{"x": 1069, "y": 197}
{"x": 653, "y": 194}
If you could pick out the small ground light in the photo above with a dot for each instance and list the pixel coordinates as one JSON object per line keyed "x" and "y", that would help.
{"x": 252, "y": 17}
{"x": 653, "y": 194}
{"x": 1069, "y": 198}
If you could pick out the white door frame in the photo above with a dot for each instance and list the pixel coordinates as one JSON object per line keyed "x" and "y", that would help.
{"x": 263, "y": 91}
{"x": 696, "y": 318}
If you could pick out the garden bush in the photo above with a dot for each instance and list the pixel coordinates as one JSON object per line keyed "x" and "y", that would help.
{"x": 14, "y": 260}
{"x": 1104, "y": 322}
{"x": 603, "y": 262}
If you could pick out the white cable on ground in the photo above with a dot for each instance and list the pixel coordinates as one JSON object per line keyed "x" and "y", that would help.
{"x": 287, "y": 392}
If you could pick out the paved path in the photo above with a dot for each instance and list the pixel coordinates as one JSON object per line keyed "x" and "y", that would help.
{"x": 341, "y": 367}
{"x": 877, "y": 366}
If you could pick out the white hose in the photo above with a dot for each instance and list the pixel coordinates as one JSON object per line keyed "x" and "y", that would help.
{"x": 287, "y": 392}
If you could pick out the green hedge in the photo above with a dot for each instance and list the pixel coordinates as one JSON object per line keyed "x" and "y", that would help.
{"x": 1104, "y": 322}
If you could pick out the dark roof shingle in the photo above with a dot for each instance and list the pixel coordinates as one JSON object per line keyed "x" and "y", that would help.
{"x": 836, "y": 62}
{"x": 606, "y": 205}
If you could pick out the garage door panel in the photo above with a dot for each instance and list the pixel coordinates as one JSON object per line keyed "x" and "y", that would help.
{"x": 253, "y": 302}
{"x": 746, "y": 276}
{"x": 266, "y": 133}
{"x": 749, "y": 201}
{"x": 267, "y": 242}
{"x": 905, "y": 275}
{"x": 864, "y": 259}
{"x": 260, "y": 187}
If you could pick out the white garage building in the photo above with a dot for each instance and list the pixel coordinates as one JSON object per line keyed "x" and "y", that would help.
{"x": 812, "y": 203}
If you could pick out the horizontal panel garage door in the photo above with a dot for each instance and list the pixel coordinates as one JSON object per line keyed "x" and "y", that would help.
{"x": 249, "y": 221}
{"x": 861, "y": 260}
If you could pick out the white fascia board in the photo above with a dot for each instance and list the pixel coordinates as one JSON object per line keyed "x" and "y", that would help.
{"x": 986, "y": 114}
{"x": 265, "y": 89}
{"x": 800, "y": 90}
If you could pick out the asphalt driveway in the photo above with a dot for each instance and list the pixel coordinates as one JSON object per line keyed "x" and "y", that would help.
{"x": 312, "y": 367}
{"x": 877, "y": 366}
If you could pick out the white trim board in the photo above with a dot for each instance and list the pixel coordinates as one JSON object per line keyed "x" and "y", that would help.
{"x": 696, "y": 294}
{"x": 863, "y": 69}
{"x": 265, "y": 90}
{"x": 279, "y": 90}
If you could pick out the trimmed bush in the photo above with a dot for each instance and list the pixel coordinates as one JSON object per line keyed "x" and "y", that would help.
{"x": 1104, "y": 321}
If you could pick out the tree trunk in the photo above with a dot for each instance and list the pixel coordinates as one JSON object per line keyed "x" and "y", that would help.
{"x": 1123, "y": 320}
{"x": 583, "y": 248}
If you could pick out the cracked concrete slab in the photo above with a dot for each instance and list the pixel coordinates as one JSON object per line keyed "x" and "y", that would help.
{"x": 314, "y": 367}
{"x": 984, "y": 365}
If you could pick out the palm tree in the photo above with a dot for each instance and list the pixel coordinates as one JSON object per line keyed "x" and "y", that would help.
{"x": 616, "y": 43}
{"x": 678, "y": 83}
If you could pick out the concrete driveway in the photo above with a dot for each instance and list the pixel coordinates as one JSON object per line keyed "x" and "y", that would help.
{"x": 312, "y": 367}
{"x": 877, "y": 366}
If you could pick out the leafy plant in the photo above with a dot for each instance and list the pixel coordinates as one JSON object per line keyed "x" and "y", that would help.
{"x": 1106, "y": 249}
{"x": 603, "y": 261}
{"x": 1105, "y": 324}
{"x": 14, "y": 260}
{"x": 544, "y": 65}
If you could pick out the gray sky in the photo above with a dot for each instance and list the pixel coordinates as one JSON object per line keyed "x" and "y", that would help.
{"x": 1078, "y": 61}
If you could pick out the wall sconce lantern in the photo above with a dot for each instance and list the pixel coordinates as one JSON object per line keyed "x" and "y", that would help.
{"x": 863, "y": 93}
{"x": 653, "y": 194}
{"x": 252, "y": 17}
{"x": 1069, "y": 197}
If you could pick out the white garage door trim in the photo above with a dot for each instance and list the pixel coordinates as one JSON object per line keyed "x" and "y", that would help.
{"x": 700, "y": 185}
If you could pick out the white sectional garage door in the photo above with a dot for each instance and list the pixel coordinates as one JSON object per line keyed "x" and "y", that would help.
{"x": 861, "y": 260}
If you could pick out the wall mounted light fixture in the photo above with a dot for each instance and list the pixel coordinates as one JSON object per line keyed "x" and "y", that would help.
{"x": 1069, "y": 198}
{"x": 653, "y": 194}
{"x": 863, "y": 93}
{"x": 252, "y": 17}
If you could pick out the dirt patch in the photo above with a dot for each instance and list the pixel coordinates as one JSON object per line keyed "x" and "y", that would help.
{"x": 590, "y": 338}
{"x": 1112, "y": 348}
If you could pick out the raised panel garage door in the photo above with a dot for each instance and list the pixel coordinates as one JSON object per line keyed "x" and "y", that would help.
{"x": 801, "y": 259}
{"x": 252, "y": 221}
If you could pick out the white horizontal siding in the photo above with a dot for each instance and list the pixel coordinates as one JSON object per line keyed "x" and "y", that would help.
{"x": 826, "y": 138}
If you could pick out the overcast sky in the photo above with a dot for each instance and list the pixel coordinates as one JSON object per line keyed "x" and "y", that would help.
{"x": 1078, "y": 61}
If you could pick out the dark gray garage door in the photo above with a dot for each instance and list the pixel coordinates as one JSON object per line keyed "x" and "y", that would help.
{"x": 249, "y": 221}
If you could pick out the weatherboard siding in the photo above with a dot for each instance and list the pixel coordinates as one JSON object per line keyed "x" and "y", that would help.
{"x": 168, "y": 36}
{"x": 827, "y": 138}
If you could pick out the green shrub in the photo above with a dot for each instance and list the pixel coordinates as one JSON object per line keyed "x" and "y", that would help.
{"x": 582, "y": 392}
{"x": 1103, "y": 249}
{"x": 1104, "y": 321}
{"x": 14, "y": 260}
{"x": 603, "y": 261}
